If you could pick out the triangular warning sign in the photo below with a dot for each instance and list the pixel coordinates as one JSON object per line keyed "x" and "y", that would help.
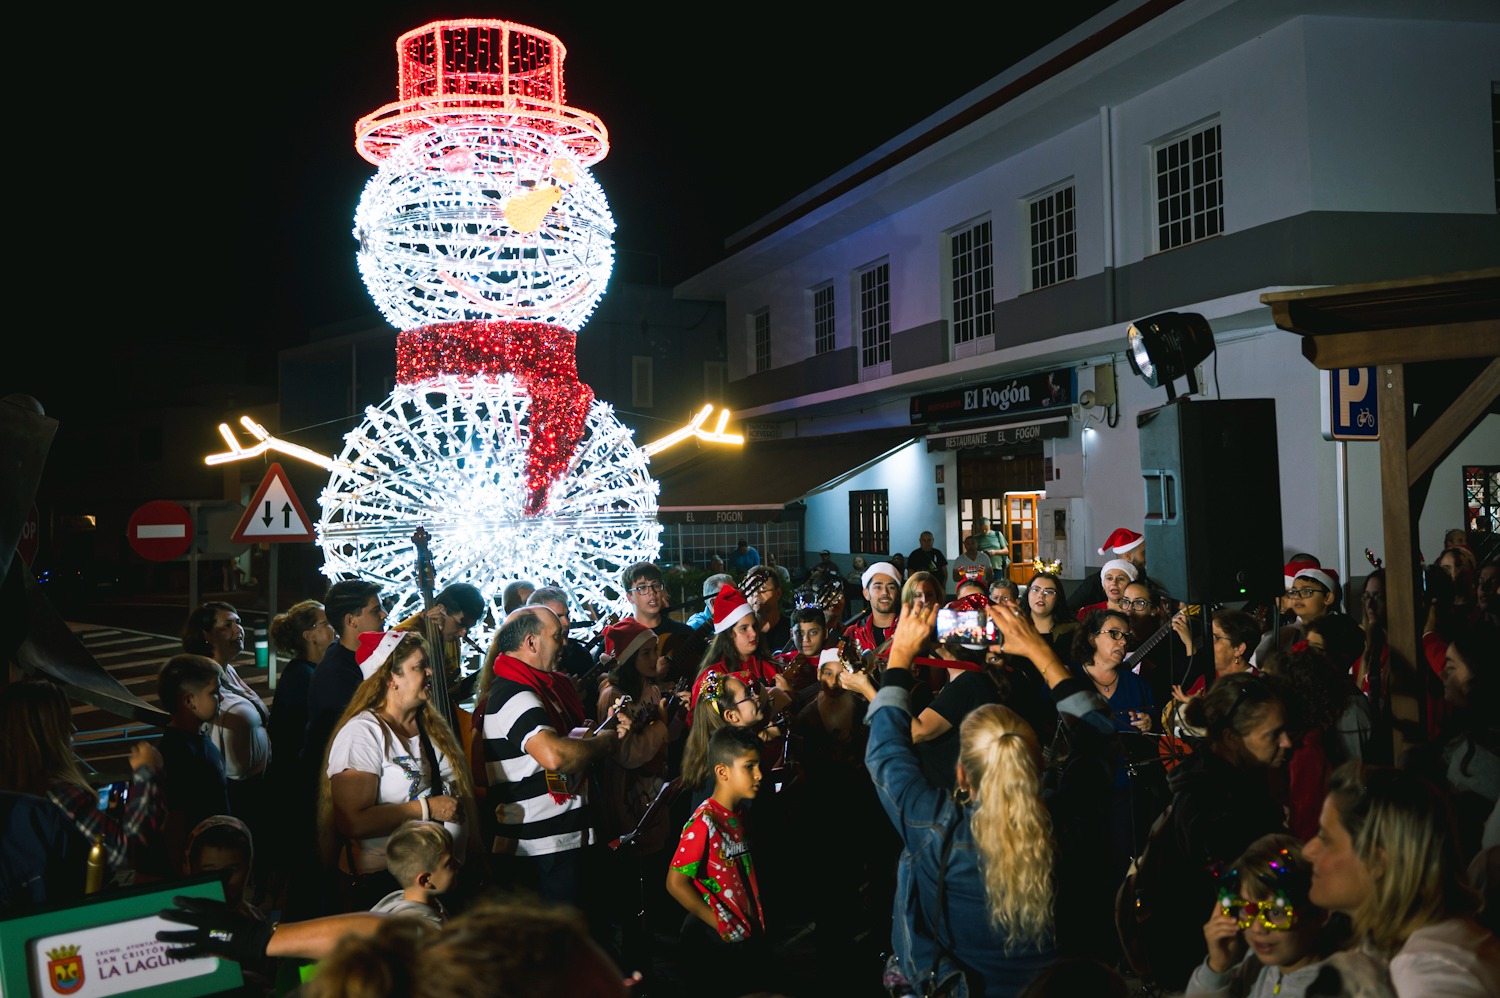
{"x": 274, "y": 514}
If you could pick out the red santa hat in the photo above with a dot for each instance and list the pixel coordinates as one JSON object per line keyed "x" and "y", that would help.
{"x": 1122, "y": 565}
{"x": 624, "y": 639}
{"x": 374, "y": 648}
{"x": 729, "y": 607}
{"x": 1325, "y": 577}
{"x": 1292, "y": 568}
{"x": 1122, "y": 540}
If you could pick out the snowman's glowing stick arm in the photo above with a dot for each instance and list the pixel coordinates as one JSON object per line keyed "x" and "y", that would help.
{"x": 694, "y": 428}
{"x": 265, "y": 442}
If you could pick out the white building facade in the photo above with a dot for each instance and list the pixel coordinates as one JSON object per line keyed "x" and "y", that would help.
{"x": 1189, "y": 160}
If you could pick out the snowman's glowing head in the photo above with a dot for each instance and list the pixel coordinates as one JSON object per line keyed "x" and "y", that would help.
{"x": 484, "y": 220}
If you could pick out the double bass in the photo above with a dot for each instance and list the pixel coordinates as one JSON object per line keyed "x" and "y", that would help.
{"x": 458, "y": 719}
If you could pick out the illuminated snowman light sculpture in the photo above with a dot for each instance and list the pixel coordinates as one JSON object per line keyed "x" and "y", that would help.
{"x": 484, "y": 238}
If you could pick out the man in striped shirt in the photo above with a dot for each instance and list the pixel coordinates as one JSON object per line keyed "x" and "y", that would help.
{"x": 536, "y": 763}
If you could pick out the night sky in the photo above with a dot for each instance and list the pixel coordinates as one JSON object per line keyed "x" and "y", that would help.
{"x": 208, "y": 178}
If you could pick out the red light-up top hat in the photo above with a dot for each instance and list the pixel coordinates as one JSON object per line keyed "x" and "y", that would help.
{"x": 479, "y": 68}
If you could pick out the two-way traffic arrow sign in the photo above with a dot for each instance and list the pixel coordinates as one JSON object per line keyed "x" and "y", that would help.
{"x": 274, "y": 514}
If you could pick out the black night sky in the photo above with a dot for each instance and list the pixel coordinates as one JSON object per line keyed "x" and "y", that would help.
{"x": 212, "y": 178}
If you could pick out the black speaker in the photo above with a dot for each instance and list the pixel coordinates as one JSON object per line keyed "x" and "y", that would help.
{"x": 1213, "y": 499}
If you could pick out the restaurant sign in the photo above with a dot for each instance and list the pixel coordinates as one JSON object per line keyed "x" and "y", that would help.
{"x": 1030, "y": 393}
{"x": 999, "y": 436}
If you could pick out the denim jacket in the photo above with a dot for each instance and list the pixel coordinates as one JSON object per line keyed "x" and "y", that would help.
{"x": 923, "y": 815}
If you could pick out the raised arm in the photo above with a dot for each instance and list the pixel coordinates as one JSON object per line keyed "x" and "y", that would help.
{"x": 889, "y": 755}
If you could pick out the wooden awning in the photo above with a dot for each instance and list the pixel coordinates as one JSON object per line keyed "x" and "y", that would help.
{"x": 1435, "y": 343}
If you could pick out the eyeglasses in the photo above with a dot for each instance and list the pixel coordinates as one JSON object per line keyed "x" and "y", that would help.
{"x": 1372, "y": 597}
{"x": 1114, "y": 632}
{"x": 1049, "y": 591}
{"x": 1276, "y": 917}
{"x": 1137, "y": 604}
{"x": 653, "y": 587}
{"x": 1219, "y": 637}
{"x": 1305, "y": 592}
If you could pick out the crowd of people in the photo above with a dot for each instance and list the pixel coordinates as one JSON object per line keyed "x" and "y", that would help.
{"x": 973, "y": 785}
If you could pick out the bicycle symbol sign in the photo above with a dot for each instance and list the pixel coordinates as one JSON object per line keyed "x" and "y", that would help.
{"x": 1350, "y": 409}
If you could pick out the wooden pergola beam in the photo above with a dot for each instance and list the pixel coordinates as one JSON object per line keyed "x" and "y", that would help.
{"x": 1407, "y": 345}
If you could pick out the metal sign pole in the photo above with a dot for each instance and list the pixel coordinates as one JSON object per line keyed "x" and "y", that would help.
{"x": 193, "y": 579}
{"x": 271, "y": 605}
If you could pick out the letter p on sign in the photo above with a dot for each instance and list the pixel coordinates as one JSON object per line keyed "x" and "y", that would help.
{"x": 1350, "y": 411}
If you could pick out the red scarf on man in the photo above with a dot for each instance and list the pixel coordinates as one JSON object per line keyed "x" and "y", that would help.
{"x": 555, "y": 689}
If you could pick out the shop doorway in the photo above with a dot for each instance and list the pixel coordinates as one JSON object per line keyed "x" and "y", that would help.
{"x": 985, "y": 475}
{"x": 1021, "y": 533}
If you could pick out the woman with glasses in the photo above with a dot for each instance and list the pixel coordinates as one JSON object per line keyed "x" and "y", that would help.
{"x": 1099, "y": 648}
{"x": 1045, "y": 604}
{"x": 1387, "y": 855}
{"x": 1222, "y": 801}
{"x": 1140, "y": 788}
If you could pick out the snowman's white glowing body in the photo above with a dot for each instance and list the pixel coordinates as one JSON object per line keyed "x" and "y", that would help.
{"x": 483, "y": 210}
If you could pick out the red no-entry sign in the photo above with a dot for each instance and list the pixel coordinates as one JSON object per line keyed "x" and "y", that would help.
{"x": 160, "y": 531}
{"x": 31, "y": 532}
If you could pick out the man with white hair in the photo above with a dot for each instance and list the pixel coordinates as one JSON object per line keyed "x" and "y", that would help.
{"x": 711, "y": 586}
{"x": 535, "y": 766}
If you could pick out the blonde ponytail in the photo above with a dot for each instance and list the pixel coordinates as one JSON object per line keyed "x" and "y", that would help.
{"x": 1012, "y": 828}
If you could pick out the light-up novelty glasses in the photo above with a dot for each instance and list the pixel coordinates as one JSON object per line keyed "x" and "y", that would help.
{"x": 1274, "y": 915}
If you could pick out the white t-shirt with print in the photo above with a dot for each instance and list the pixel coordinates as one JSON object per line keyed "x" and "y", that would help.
{"x": 367, "y": 745}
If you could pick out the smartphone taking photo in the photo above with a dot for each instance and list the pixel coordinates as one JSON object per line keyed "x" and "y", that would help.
{"x": 964, "y": 628}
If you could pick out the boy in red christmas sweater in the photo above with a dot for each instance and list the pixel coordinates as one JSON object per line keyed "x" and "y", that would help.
{"x": 712, "y": 875}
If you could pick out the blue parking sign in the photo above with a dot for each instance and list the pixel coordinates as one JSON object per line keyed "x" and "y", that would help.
{"x": 1349, "y": 408}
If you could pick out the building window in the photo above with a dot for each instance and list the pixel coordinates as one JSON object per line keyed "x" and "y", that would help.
{"x": 762, "y": 326}
{"x": 870, "y": 521}
{"x": 875, "y": 319}
{"x": 1054, "y": 237}
{"x": 1481, "y": 497}
{"x": 715, "y": 377}
{"x": 823, "y": 319}
{"x": 1189, "y": 188}
{"x": 640, "y": 382}
{"x": 973, "y": 282}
